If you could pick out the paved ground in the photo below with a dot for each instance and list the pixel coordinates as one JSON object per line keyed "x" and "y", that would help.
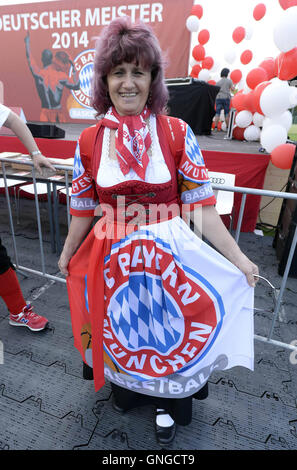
{"x": 45, "y": 404}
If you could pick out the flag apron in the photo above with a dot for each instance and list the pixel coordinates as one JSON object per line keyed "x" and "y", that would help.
{"x": 154, "y": 308}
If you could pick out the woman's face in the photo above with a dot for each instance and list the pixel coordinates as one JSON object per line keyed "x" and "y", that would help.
{"x": 128, "y": 87}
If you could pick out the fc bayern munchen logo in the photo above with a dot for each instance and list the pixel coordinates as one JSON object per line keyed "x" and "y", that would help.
{"x": 84, "y": 66}
{"x": 160, "y": 315}
{"x": 138, "y": 145}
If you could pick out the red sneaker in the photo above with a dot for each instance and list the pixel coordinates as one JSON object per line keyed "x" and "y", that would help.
{"x": 28, "y": 318}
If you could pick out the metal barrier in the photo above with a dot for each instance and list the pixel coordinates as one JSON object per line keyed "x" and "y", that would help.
{"x": 34, "y": 179}
{"x": 244, "y": 191}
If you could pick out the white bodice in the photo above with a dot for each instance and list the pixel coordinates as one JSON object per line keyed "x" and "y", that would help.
{"x": 110, "y": 174}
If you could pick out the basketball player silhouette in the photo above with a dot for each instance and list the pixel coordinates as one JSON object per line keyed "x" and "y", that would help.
{"x": 51, "y": 80}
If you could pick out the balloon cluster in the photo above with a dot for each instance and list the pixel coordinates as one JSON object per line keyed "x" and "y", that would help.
{"x": 263, "y": 106}
{"x": 202, "y": 65}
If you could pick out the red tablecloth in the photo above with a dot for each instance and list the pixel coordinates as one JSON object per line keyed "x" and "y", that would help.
{"x": 249, "y": 169}
{"x": 53, "y": 148}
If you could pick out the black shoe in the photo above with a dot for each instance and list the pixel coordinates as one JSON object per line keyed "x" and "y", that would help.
{"x": 87, "y": 372}
{"x": 116, "y": 407}
{"x": 164, "y": 434}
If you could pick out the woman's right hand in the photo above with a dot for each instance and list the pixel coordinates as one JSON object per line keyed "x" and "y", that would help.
{"x": 79, "y": 227}
{"x": 63, "y": 263}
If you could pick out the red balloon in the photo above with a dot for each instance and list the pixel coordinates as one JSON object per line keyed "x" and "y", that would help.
{"x": 207, "y": 63}
{"x": 195, "y": 71}
{"x": 285, "y": 66}
{"x": 203, "y": 36}
{"x": 238, "y": 133}
{"x": 238, "y": 101}
{"x": 197, "y": 10}
{"x": 282, "y": 156}
{"x": 268, "y": 65}
{"x": 255, "y": 77}
{"x": 246, "y": 57}
{"x": 259, "y": 11}
{"x": 198, "y": 52}
{"x": 257, "y": 92}
{"x": 212, "y": 82}
{"x": 250, "y": 102}
{"x": 285, "y": 4}
{"x": 238, "y": 34}
{"x": 236, "y": 76}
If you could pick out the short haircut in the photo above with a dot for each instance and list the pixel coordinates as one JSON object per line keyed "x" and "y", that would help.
{"x": 124, "y": 41}
{"x": 62, "y": 57}
{"x": 225, "y": 72}
{"x": 46, "y": 57}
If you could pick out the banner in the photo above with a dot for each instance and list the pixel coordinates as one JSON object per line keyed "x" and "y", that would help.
{"x": 39, "y": 39}
{"x": 174, "y": 310}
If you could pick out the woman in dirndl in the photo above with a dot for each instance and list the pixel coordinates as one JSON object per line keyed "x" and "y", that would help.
{"x": 154, "y": 308}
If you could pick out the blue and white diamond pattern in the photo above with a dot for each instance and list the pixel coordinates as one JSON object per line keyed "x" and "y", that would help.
{"x": 192, "y": 148}
{"x": 78, "y": 169}
{"x": 142, "y": 316}
{"x": 85, "y": 77}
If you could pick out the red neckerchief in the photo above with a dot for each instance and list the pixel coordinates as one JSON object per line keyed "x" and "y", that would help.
{"x": 132, "y": 140}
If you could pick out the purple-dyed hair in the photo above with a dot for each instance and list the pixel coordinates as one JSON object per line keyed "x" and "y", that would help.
{"x": 124, "y": 41}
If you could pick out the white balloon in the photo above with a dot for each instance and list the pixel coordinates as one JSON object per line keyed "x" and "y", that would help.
{"x": 204, "y": 75}
{"x": 244, "y": 118}
{"x": 224, "y": 126}
{"x": 252, "y": 133}
{"x": 278, "y": 81}
{"x": 258, "y": 119}
{"x": 249, "y": 30}
{"x": 272, "y": 136}
{"x": 285, "y": 120}
{"x": 275, "y": 99}
{"x": 192, "y": 23}
{"x": 230, "y": 56}
{"x": 293, "y": 97}
{"x": 285, "y": 31}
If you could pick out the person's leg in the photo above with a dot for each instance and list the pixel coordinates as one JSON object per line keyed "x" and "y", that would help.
{"x": 218, "y": 112}
{"x": 21, "y": 314}
{"x": 227, "y": 112}
{"x": 171, "y": 412}
{"x": 125, "y": 400}
{"x": 216, "y": 121}
{"x": 227, "y": 120}
{"x": 11, "y": 293}
{"x": 10, "y": 289}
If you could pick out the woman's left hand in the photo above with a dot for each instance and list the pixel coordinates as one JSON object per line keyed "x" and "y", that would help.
{"x": 248, "y": 268}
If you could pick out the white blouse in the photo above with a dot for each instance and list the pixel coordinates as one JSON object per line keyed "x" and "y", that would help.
{"x": 110, "y": 174}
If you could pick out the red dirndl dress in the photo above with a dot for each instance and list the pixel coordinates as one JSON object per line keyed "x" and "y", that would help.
{"x": 154, "y": 308}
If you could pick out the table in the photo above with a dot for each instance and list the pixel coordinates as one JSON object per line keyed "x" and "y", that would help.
{"x": 52, "y": 182}
{"x": 250, "y": 172}
{"x": 51, "y": 148}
